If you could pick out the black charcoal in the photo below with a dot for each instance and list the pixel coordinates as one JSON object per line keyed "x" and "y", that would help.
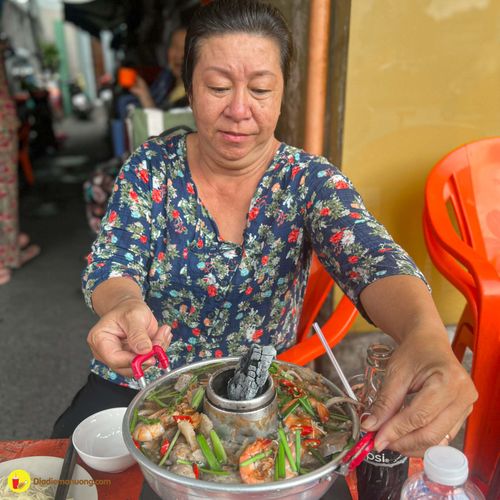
{"x": 251, "y": 374}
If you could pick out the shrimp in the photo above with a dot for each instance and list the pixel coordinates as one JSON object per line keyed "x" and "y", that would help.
{"x": 260, "y": 471}
{"x": 322, "y": 411}
{"x": 306, "y": 425}
{"x": 148, "y": 432}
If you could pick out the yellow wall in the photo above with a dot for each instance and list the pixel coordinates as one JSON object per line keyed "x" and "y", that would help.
{"x": 423, "y": 77}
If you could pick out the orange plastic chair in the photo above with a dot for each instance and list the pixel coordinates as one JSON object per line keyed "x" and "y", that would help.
{"x": 309, "y": 347}
{"x": 465, "y": 248}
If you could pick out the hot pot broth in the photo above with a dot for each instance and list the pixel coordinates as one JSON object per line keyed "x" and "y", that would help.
{"x": 171, "y": 429}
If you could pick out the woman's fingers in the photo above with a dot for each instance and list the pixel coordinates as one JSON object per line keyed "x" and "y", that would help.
{"x": 123, "y": 333}
{"x": 425, "y": 407}
{"x": 439, "y": 406}
{"x": 163, "y": 337}
{"x": 138, "y": 338}
{"x": 108, "y": 349}
{"x": 389, "y": 400}
{"x": 440, "y": 431}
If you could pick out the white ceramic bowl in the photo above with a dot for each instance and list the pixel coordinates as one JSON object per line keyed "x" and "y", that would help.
{"x": 99, "y": 441}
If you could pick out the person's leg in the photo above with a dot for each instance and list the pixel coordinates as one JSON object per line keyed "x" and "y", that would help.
{"x": 96, "y": 395}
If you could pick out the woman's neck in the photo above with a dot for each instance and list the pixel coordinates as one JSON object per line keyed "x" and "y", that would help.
{"x": 222, "y": 171}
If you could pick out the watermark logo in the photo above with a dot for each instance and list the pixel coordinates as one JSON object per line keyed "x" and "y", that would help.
{"x": 19, "y": 481}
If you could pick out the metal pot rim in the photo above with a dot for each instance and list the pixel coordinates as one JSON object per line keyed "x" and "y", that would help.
{"x": 322, "y": 474}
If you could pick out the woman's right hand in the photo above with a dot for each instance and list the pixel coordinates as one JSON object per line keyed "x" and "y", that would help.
{"x": 141, "y": 90}
{"x": 125, "y": 331}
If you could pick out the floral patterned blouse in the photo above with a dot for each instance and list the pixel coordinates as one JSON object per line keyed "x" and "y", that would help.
{"x": 220, "y": 296}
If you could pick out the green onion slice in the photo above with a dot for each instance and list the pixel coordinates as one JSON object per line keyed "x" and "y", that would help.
{"x": 255, "y": 458}
{"x": 288, "y": 451}
{"x": 170, "y": 448}
{"x": 207, "y": 452}
{"x": 197, "y": 398}
{"x": 281, "y": 461}
{"x": 297, "y": 449}
{"x": 219, "y": 451}
{"x": 133, "y": 422}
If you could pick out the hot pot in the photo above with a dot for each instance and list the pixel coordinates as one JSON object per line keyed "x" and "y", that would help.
{"x": 169, "y": 486}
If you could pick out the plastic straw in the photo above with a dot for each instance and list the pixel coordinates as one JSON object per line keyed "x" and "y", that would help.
{"x": 335, "y": 363}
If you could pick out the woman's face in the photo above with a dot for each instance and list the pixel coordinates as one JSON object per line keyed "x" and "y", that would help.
{"x": 236, "y": 94}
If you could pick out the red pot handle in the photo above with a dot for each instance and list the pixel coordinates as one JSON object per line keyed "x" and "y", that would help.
{"x": 137, "y": 362}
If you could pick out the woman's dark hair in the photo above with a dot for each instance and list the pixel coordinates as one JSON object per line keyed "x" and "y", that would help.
{"x": 222, "y": 17}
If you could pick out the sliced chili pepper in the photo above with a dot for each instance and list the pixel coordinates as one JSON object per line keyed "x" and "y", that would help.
{"x": 164, "y": 447}
{"x": 196, "y": 471}
{"x": 312, "y": 443}
{"x": 178, "y": 418}
{"x": 305, "y": 430}
{"x": 293, "y": 390}
{"x": 137, "y": 444}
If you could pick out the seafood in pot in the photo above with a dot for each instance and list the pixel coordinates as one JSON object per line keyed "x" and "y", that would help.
{"x": 172, "y": 430}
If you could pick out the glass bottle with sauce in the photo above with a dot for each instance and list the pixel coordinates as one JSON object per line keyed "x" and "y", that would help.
{"x": 381, "y": 475}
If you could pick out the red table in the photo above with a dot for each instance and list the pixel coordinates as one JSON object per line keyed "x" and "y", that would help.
{"x": 125, "y": 485}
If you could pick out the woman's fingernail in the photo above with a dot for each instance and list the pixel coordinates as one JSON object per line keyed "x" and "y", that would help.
{"x": 381, "y": 446}
{"x": 369, "y": 422}
{"x": 143, "y": 346}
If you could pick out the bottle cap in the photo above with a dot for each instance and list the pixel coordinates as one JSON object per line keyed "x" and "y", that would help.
{"x": 446, "y": 465}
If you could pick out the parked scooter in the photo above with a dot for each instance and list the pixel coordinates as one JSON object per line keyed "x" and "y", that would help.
{"x": 80, "y": 102}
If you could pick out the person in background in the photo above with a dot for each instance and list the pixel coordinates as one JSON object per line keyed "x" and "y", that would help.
{"x": 15, "y": 247}
{"x": 208, "y": 238}
{"x": 167, "y": 91}
{"x": 174, "y": 95}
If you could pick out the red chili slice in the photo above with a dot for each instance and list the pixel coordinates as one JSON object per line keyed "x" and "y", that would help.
{"x": 178, "y": 418}
{"x": 293, "y": 390}
{"x": 306, "y": 430}
{"x": 164, "y": 447}
{"x": 312, "y": 443}
{"x": 137, "y": 444}
{"x": 196, "y": 471}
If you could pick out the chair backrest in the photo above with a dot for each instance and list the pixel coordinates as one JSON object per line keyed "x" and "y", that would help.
{"x": 318, "y": 287}
{"x": 467, "y": 182}
{"x": 462, "y": 215}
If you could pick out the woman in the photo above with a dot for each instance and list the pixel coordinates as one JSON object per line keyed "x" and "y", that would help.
{"x": 168, "y": 91}
{"x": 15, "y": 247}
{"x": 206, "y": 244}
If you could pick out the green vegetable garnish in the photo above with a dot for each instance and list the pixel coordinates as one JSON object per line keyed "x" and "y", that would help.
{"x": 197, "y": 398}
{"x": 149, "y": 421}
{"x": 281, "y": 461}
{"x": 219, "y": 451}
{"x": 290, "y": 409}
{"x": 288, "y": 451}
{"x": 216, "y": 472}
{"x": 297, "y": 449}
{"x": 133, "y": 422}
{"x": 316, "y": 454}
{"x": 207, "y": 452}
{"x": 255, "y": 458}
{"x": 304, "y": 402}
{"x": 170, "y": 448}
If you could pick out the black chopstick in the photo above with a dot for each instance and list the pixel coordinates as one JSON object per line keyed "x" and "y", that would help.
{"x": 66, "y": 472}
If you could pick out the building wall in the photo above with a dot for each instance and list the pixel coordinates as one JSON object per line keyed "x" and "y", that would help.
{"x": 423, "y": 77}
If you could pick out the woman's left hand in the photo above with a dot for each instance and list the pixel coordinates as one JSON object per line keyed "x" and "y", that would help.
{"x": 443, "y": 394}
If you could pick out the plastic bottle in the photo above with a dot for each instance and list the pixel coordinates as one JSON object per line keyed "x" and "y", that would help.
{"x": 444, "y": 477}
{"x": 382, "y": 474}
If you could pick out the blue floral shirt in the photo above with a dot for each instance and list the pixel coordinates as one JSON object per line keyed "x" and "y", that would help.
{"x": 219, "y": 296}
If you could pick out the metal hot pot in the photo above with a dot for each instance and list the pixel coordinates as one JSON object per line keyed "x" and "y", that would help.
{"x": 259, "y": 415}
